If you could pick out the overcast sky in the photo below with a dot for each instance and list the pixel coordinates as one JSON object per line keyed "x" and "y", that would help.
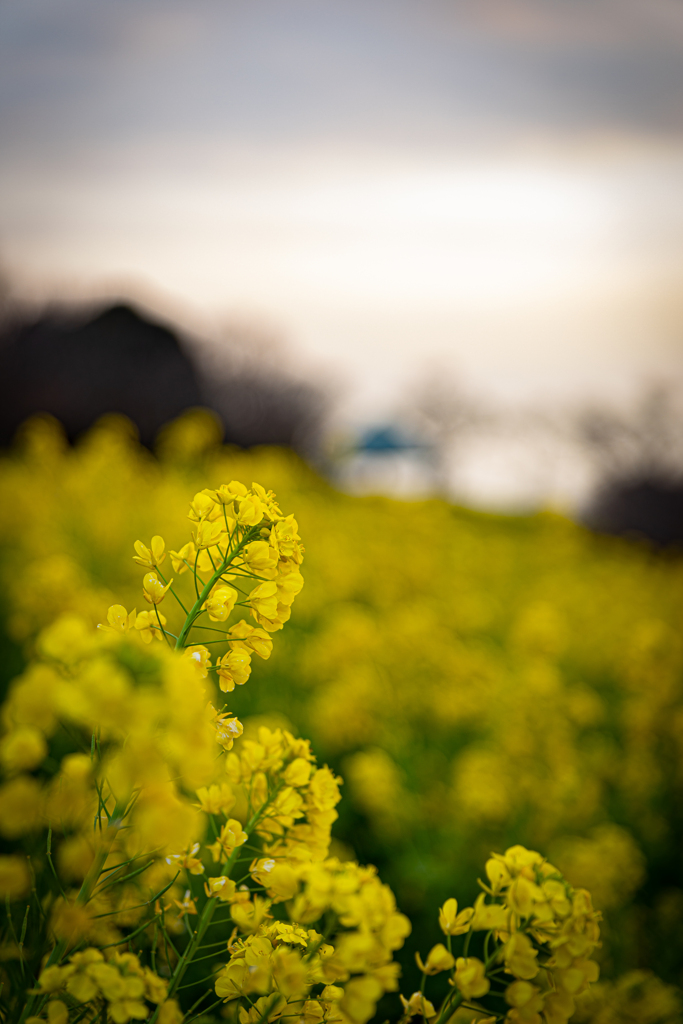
{"x": 490, "y": 189}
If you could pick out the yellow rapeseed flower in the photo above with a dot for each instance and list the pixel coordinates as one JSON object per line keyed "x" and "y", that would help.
{"x": 118, "y": 620}
{"x": 153, "y": 590}
{"x": 470, "y": 977}
{"x": 438, "y": 959}
{"x": 234, "y": 668}
{"x": 453, "y": 923}
{"x": 183, "y": 558}
{"x": 147, "y": 625}
{"x": 220, "y": 603}
{"x": 150, "y": 556}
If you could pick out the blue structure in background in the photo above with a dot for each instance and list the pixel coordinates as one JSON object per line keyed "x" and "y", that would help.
{"x": 387, "y": 440}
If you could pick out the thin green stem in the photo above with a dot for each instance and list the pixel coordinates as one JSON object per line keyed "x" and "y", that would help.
{"x": 206, "y": 1009}
{"x": 124, "y": 878}
{"x": 49, "y": 860}
{"x": 172, "y": 590}
{"x": 11, "y": 925}
{"x": 454, "y": 999}
{"x": 22, "y": 937}
{"x": 204, "y": 921}
{"x": 212, "y": 628}
{"x": 195, "y": 574}
{"x": 198, "y": 1001}
{"x": 192, "y": 984}
{"x": 206, "y": 590}
{"x": 156, "y": 610}
{"x": 132, "y": 935}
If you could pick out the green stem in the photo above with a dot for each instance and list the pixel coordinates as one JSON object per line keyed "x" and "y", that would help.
{"x": 454, "y": 999}
{"x": 449, "y": 1005}
{"x": 156, "y": 609}
{"x": 172, "y": 590}
{"x": 205, "y": 917}
{"x": 201, "y": 598}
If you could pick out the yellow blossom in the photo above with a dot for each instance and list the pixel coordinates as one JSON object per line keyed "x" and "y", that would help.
{"x": 248, "y": 914}
{"x": 233, "y": 668}
{"x": 153, "y": 590}
{"x": 22, "y": 749}
{"x": 297, "y": 772}
{"x": 21, "y": 801}
{"x": 203, "y": 507}
{"x": 152, "y": 556}
{"x": 279, "y": 878}
{"x": 418, "y": 1006}
{"x": 207, "y": 534}
{"x": 288, "y": 587}
{"x": 220, "y": 603}
{"x": 522, "y": 894}
{"x": 250, "y": 638}
{"x": 222, "y": 887}
{"x": 187, "y": 905}
{"x": 290, "y": 972}
{"x": 226, "y": 494}
{"x": 70, "y": 921}
{"x": 470, "y": 977}
{"x": 180, "y": 559}
{"x": 170, "y": 1013}
{"x": 118, "y": 620}
{"x": 250, "y": 511}
{"x": 526, "y": 1000}
{"x": 57, "y": 1012}
{"x": 148, "y": 627}
{"x": 259, "y": 555}
{"x": 216, "y": 799}
{"x": 453, "y": 923}
{"x": 439, "y": 959}
{"x": 15, "y": 879}
{"x": 520, "y": 956}
{"x": 228, "y": 729}
{"x": 231, "y": 835}
{"x": 360, "y": 998}
{"x": 498, "y": 874}
{"x": 575, "y": 979}
{"x": 187, "y": 859}
{"x": 558, "y": 1007}
{"x": 489, "y": 916}
{"x": 200, "y": 656}
{"x": 263, "y": 600}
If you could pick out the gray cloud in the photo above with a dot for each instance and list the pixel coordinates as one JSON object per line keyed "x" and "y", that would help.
{"x": 76, "y": 72}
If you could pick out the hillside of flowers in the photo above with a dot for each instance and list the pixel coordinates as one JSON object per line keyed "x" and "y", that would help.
{"x": 174, "y": 845}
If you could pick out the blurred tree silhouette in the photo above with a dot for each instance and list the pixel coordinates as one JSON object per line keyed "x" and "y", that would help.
{"x": 78, "y": 365}
{"x": 640, "y": 460}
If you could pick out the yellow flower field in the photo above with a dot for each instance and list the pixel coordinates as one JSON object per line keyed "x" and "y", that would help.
{"x": 478, "y": 681}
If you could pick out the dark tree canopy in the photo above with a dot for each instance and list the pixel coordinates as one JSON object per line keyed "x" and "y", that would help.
{"x": 78, "y": 366}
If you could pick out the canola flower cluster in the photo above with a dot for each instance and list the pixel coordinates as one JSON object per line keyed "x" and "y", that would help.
{"x": 539, "y": 931}
{"x": 637, "y": 997}
{"x": 477, "y": 680}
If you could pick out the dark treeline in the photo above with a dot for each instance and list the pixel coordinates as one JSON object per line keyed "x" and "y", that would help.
{"x": 639, "y": 458}
{"x": 78, "y": 365}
